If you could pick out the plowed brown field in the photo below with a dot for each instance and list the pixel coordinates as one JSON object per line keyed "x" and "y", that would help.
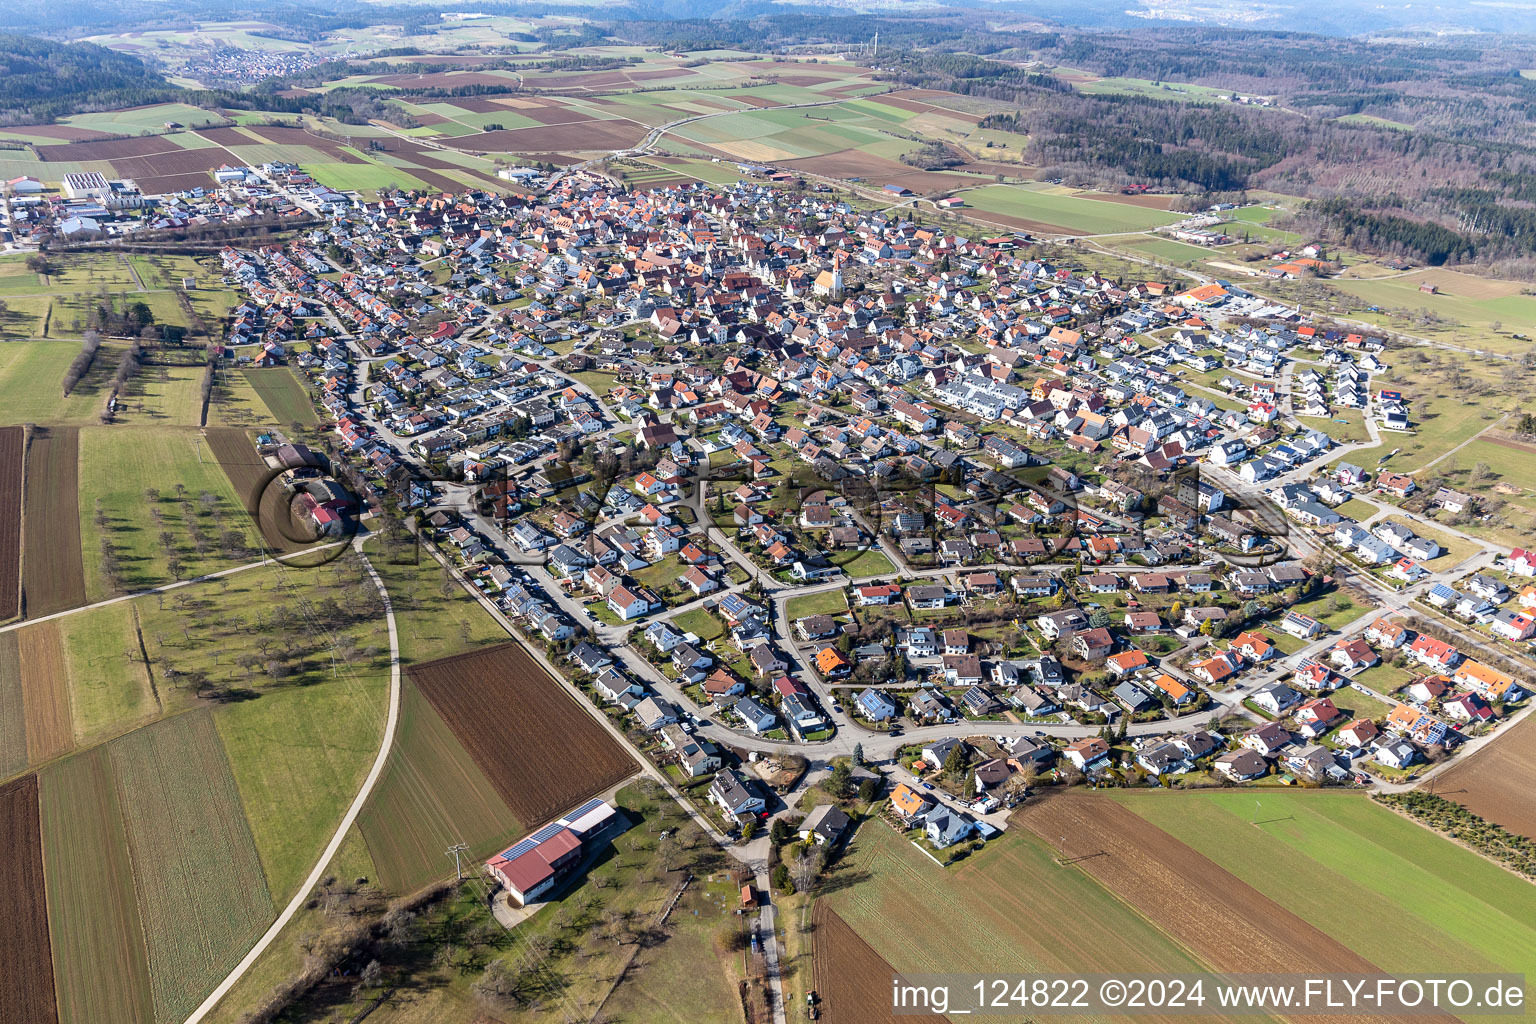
{"x": 543, "y": 753}
{"x": 250, "y": 475}
{"x": 45, "y": 692}
{"x": 12, "y": 442}
{"x": 111, "y": 149}
{"x": 26, "y": 960}
{"x": 1210, "y": 911}
{"x": 852, "y": 981}
{"x": 1497, "y": 782}
{"x": 53, "y": 578}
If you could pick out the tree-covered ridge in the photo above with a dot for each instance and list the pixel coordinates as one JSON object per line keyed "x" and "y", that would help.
{"x": 41, "y": 79}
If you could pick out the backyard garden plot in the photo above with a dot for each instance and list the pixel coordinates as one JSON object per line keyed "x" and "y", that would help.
{"x": 431, "y": 796}
{"x": 12, "y": 442}
{"x": 541, "y": 751}
{"x": 26, "y": 977}
{"x": 1435, "y": 906}
{"x": 52, "y": 577}
{"x": 101, "y": 968}
{"x": 202, "y": 897}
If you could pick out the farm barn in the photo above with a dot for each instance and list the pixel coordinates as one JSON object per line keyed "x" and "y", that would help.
{"x": 534, "y": 865}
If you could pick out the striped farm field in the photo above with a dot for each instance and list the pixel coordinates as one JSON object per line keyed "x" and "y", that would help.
{"x": 203, "y": 900}
{"x": 100, "y": 964}
{"x": 53, "y": 578}
{"x": 45, "y": 692}
{"x": 431, "y": 796}
{"x": 1435, "y": 905}
{"x": 13, "y": 714}
{"x": 26, "y": 966}
{"x": 283, "y": 394}
{"x": 12, "y": 441}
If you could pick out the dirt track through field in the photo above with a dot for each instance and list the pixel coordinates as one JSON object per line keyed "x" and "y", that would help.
{"x": 53, "y": 577}
{"x": 1217, "y": 916}
{"x": 26, "y": 958}
{"x": 1497, "y": 782}
{"x": 12, "y": 444}
{"x": 852, "y": 981}
{"x": 542, "y": 752}
{"x": 45, "y": 692}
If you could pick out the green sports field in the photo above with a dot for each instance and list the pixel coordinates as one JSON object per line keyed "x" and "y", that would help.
{"x": 1402, "y": 896}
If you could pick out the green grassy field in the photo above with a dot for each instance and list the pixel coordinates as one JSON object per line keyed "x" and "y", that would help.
{"x": 194, "y": 863}
{"x": 1467, "y": 306}
{"x": 166, "y": 395}
{"x": 142, "y": 120}
{"x": 829, "y": 603}
{"x": 1379, "y": 122}
{"x": 1168, "y": 249}
{"x": 109, "y": 688}
{"x": 118, "y": 465}
{"x": 1071, "y": 213}
{"x": 31, "y": 373}
{"x": 1011, "y": 906}
{"x": 284, "y": 395}
{"x": 100, "y": 965}
{"x": 868, "y": 563}
{"x": 430, "y": 797}
{"x": 1433, "y": 905}
{"x": 369, "y": 177}
{"x": 1333, "y": 609}
{"x": 434, "y": 620}
{"x": 298, "y": 755}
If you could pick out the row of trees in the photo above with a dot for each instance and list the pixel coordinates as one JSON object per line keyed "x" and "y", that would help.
{"x": 79, "y": 366}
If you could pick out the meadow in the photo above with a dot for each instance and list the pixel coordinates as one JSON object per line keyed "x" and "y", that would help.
{"x": 1068, "y": 213}
{"x": 120, "y": 468}
{"x": 283, "y": 395}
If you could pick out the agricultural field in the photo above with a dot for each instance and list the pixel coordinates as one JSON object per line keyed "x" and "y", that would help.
{"x": 1466, "y": 308}
{"x": 1224, "y": 921}
{"x": 283, "y": 395}
{"x": 139, "y": 484}
{"x": 26, "y": 983}
{"x": 850, "y": 978}
{"x": 12, "y": 441}
{"x": 431, "y": 796}
{"x": 13, "y": 712}
{"x": 44, "y": 692}
{"x": 1496, "y": 782}
{"x": 52, "y": 576}
{"x": 1011, "y": 905}
{"x": 195, "y": 864}
{"x": 1059, "y": 211}
{"x": 539, "y": 769}
{"x": 1434, "y": 905}
{"x": 30, "y": 376}
{"x": 110, "y": 689}
{"x": 249, "y": 474}
{"x": 100, "y": 963}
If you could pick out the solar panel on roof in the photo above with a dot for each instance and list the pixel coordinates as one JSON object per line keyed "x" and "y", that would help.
{"x": 590, "y": 805}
